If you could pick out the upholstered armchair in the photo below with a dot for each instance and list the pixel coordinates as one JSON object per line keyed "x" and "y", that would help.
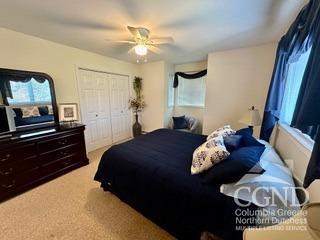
{"x": 193, "y": 125}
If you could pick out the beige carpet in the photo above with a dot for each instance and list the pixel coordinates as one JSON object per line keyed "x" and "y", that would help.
{"x": 74, "y": 207}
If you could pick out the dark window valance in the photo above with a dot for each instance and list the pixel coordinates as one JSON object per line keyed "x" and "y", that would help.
{"x": 187, "y": 76}
{"x": 5, "y": 87}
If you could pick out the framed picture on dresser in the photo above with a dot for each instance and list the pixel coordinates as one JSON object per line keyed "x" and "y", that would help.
{"x": 68, "y": 112}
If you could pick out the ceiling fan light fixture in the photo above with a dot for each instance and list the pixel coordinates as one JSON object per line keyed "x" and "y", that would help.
{"x": 141, "y": 49}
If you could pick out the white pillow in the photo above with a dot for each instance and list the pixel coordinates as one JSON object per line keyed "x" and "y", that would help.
{"x": 208, "y": 154}
{"x": 269, "y": 155}
{"x": 223, "y": 131}
{"x": 276, "y": 174}
{"x": 30, "y": 112}
{"x": 257, "y": 187}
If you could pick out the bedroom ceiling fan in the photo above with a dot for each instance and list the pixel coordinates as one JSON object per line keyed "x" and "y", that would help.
{"x": 142, "y": 42}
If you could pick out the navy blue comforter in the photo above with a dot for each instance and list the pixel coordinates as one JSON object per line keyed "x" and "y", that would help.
{"x": 33, "y": 120}
{"x": 152, "y": 174}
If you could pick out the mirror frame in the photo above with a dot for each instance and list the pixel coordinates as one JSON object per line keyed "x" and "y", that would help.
{"x": 14, "y": 72}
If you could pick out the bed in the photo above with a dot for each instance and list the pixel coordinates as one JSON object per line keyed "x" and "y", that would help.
{"x": 151, "y": 173}
{"x": 33, "y": 120}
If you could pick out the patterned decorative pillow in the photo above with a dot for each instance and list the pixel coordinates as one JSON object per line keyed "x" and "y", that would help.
{"x": 223, "y": 131}
{"x": 30, "y": 112}
{"x": 208, "y": 154}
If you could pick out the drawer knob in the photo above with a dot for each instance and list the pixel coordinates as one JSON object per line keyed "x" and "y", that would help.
{"x": 63, "y": 142}
{"x": 62, "y": 154}
{"x": 8, "y": 186}
{"x": 5, "y": 158}
{"x": 7, "y": 172}
{"x": 66, "y": 163}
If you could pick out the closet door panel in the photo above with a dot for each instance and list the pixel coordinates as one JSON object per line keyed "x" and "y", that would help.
{"x": 119, "y": 96}
{"x": 95, "y": 108}
{"x": 93, "y": 133}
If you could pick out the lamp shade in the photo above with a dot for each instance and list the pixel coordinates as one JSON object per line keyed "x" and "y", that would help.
{"x": 251, "y": 117}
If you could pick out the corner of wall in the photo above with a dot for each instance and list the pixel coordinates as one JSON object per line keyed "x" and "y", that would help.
{"x": 155, "y": 93}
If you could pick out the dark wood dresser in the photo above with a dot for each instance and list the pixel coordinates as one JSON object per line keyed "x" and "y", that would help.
{"x": 30, "y": 158}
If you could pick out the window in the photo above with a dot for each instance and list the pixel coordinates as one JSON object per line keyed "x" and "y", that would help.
{"x": 293, "y": 83}
{"x": 30, "y": 92}
{"x": 191, "y": 92}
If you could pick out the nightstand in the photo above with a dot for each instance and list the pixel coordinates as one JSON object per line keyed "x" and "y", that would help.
{"x": 303, "y": 226}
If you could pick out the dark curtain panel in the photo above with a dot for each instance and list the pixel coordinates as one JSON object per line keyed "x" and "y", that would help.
{"x": 5, "y": 87}
{"x": 187, "y": 76}
{"x": 294, "y": 43}
{"x": 5, "y": 90}
{"x": 307, "y": 111}
{"x": 275, "y": 95}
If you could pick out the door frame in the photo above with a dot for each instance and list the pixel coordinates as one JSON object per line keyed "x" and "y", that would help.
{"x": 80, "y": 113}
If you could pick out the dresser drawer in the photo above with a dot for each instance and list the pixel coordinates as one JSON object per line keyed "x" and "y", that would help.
{"x": 18, "y": 153}
{"x": 7, "y": 187}
{"x": 15, "y": 168}
{"x": 26, "y": 162}
{"x": 61, "y": 164}
{"x": 11, "y": 183}
{"x": 47, "y": 158}
{"x": 60, "y": 142}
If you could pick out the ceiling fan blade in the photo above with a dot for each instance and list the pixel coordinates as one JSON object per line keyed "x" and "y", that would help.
{"x": 131, "y": 50}
{"x": 121, "y": 41}
{"x": 134, "y": 31}
{"x": 162, "y": 40}
{"x": 154, "y": 49}
{"x": 139, "y": 32}
{"x": 144, "y": 33}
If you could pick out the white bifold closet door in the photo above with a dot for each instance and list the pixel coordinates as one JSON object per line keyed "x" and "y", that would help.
{"x": 119, "y": 97}
{"x": 98, "y": 111}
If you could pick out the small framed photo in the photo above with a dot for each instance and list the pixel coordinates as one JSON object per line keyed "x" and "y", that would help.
{"x": 68, "y": 112}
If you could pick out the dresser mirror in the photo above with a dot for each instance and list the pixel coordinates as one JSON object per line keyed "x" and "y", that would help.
{"x": 30, "y": 97}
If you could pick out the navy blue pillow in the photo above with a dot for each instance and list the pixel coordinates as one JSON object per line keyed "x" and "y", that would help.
{"x": 180, "y": 122}
{"x": 232, "y": 142}
{"x": 43, "y": 110}
{"x": 18, "y": 112}
{"x": 247, "y": 139}
{"x": 250, "y": 141}
{"x": 239, "y": 163}
{"x": 245, "y": 131}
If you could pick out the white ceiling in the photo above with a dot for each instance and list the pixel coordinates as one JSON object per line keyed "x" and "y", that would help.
{"x": 197, "y": 26}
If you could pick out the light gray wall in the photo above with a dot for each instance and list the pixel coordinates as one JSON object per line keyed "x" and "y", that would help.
{"x": 236, "y": 80}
